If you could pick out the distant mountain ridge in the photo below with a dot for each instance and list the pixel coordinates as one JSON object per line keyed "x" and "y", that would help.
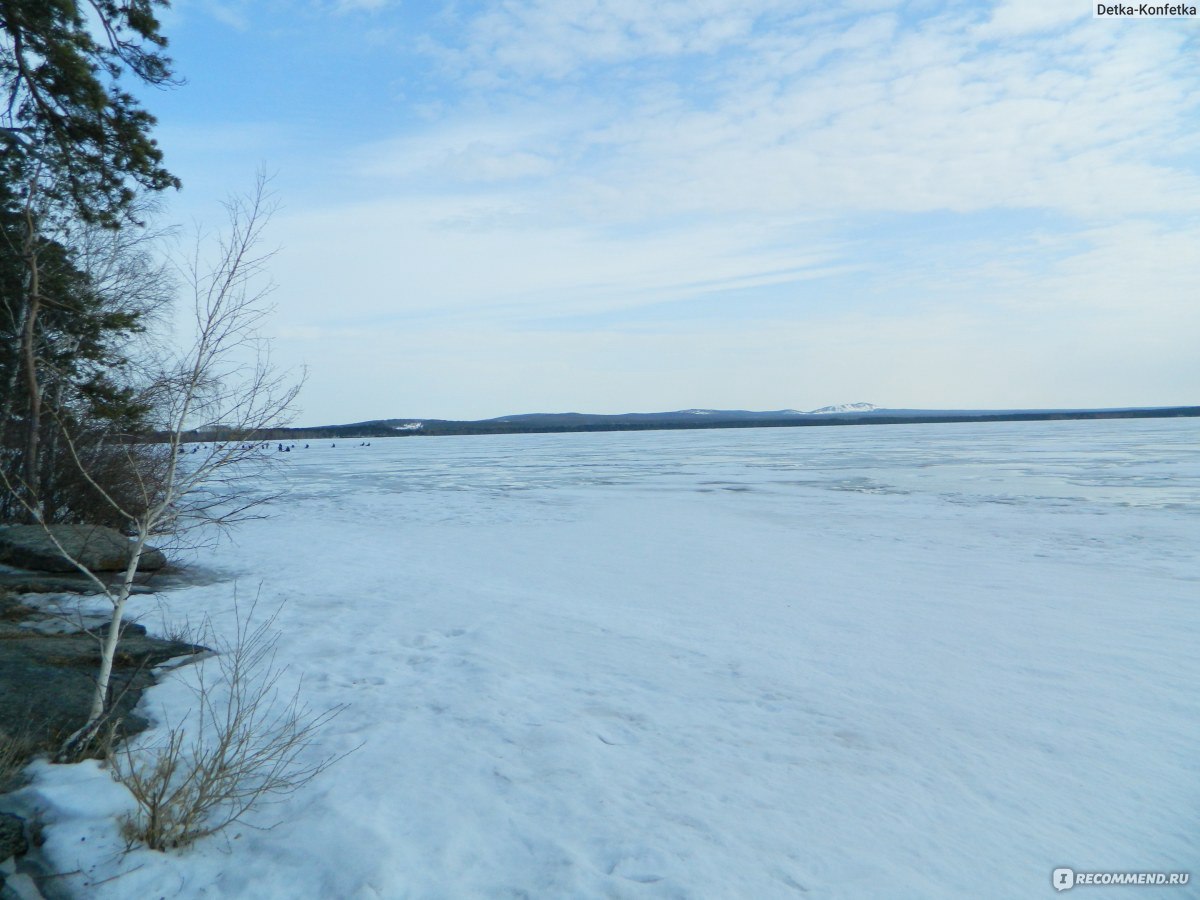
{"x": 713, "y": 415}
{"x": 859, "y": 413}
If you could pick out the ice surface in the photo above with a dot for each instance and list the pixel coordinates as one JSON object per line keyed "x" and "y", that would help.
{"x": 902, "y": 661}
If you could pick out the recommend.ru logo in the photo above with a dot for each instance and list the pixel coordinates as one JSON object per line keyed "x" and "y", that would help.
{"x": 1063, "y": 879}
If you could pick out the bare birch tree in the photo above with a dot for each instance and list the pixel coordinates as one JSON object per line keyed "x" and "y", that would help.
{"x": 222, "y": 386}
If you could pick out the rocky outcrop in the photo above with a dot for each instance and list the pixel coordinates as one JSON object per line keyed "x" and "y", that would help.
{"x": 47, "y": 678}
{"x": 97, "y": 548}
{"x": 12, "y": 836}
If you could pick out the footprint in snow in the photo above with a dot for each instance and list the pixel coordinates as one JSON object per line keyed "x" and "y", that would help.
{"x": 644, "y": 867}
{"x": 617, "y": 728}
{"x": 433, "y": 638}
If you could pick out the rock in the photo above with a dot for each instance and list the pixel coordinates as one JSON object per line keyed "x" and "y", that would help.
{"x": 47, "y": 677}
{"x": 46, "y": 680}
{"x": 98, "y": 548}
{"x": 12, "y": 836}
{"x": 21, "y": 887}
{"x": 41, "y": 583}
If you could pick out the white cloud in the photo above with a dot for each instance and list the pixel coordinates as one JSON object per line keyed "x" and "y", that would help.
{"x": 474, "y": 151}
{"x": 1011, "y": 18}
{"x": 828, "y": 116}
{"x": 557, "y": 37}
{"x": 233, "y": 14}
{"x": 439, "y": 259}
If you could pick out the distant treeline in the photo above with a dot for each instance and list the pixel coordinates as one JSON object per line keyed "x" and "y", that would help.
{"x": 445, "y": 426}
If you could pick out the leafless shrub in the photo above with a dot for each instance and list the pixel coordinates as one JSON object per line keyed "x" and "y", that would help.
{"x": 181, "y": 631}
{"x": 244, "y": 745}
{"x": 119, "y": 475}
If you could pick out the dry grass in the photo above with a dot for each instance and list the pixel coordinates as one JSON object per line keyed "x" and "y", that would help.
{"x": 15, "y": 754}
{"x": 244, "y": 745}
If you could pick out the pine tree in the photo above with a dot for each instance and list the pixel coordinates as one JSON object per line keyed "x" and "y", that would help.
{"x": 66, "y": 122}
{"x": 76, "y": 154}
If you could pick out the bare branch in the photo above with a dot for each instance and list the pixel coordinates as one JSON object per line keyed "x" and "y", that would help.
{"x": 246, "y": 745}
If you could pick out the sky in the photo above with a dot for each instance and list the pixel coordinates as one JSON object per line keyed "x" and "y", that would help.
{"x": 489, "y": 208}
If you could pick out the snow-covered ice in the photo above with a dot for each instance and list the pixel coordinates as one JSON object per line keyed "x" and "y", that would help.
{"x": 904, "y": 661}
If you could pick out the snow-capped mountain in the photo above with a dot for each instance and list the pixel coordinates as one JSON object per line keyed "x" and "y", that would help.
{"x": 844, "y": 408}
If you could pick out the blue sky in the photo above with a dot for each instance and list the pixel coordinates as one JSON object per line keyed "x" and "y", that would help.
{"x": 610, "y": 205}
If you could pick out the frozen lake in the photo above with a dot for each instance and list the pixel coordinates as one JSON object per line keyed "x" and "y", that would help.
{"x": 1141, "y": 463}
{"x": 885, "y": 661}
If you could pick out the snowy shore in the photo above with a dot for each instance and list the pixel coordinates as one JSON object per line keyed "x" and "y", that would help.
{"x": 928, "y": 661}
